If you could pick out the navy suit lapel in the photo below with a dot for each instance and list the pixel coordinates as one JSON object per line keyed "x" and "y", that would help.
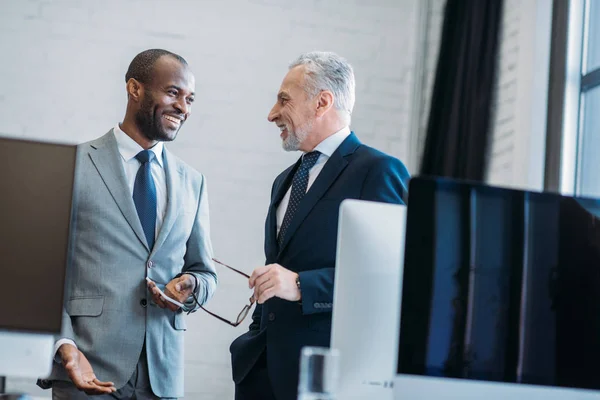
{"x": 106, "y": 158}
{"x": 331, "y": 170}
{"x": 285, "y": 183}
{"x": 279, "y": 190}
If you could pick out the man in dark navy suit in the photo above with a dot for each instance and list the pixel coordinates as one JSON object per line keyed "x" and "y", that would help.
{"x": 294, "y": 290}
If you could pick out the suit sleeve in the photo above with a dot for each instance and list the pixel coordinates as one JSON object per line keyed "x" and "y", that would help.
{"x": 316, "y": 287}
{"x": 199, "y": 253}
{"x": 386, "y": 182}
{"x": 67, "y": 327}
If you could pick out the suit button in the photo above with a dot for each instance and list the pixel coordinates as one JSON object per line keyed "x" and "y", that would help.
{"x": 143, "y": 302}
{"x": 149, "y": 264}
{"x": 271, "y": 316}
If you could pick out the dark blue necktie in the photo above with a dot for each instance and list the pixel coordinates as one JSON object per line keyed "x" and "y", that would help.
{"x": 299, "y": 185}
{"x": 144, "y": 195}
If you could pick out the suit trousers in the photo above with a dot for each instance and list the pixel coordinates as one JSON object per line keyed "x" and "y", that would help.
{"x": 256, "y": 385}
{"x": 138, "y": 387}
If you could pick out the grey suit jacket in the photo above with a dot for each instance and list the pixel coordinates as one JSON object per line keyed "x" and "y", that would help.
{"x": 109, "y": 312}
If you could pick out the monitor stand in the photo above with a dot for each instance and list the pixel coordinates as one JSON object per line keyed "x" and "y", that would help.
{"x": 26, "y": 355}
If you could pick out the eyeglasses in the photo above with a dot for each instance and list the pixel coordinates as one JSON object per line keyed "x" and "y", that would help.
{"x": 244, "y": 313}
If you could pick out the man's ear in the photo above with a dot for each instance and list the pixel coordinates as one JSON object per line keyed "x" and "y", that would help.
{"x": 135, "y": 90}
{"x": 325, "y": 102}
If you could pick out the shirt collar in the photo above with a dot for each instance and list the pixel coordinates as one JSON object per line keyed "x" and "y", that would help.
{"x": 330, "y": 144}
{"x": 129, "y": 148}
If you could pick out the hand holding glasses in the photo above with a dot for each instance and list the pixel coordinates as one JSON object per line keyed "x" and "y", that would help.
{"x": 244, "y": 313}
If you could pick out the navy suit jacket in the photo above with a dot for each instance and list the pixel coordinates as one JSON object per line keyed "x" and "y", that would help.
{"x": 354, "y": 171}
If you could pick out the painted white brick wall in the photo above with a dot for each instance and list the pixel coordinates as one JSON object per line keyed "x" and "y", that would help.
{"x": 430, "y": 47}
{"x": 517, "y": 148}
{"x": 62, "y": 79}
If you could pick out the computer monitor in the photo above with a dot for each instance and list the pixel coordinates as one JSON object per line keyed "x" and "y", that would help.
{"x": 501, "y": 294}
{"x": 35, "y": 212}
{"x": 366, "y": 296}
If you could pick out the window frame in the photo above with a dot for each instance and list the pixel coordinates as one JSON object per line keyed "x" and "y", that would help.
{"x": 569, "y": 81}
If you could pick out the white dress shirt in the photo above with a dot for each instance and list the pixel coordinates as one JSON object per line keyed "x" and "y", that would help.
{"x": 129, "y": 148}
{"x": 327, "y": 147}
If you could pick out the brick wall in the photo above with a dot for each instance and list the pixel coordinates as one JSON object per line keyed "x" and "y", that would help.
{"x": 516, "y": 156}
{"x": 434, "y": 19}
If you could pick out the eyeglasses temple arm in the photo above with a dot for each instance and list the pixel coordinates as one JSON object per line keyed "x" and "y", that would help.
{"x": 231, "y": 268}
{"x": 219, "y": 318}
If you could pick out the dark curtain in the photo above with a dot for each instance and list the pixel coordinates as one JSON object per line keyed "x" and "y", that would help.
{"x": 459, "y": 123}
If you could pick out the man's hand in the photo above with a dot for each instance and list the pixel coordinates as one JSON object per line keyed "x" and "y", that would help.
{"x": 274, "y": 281}
{"x": 81, "y": 373}
{"x": 181, "y": 288}
{"x": 178, "y": 289}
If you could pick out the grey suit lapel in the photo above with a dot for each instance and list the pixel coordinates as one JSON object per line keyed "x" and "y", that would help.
{"x": 174, "y": 177}
{"x": 107, "y": 160}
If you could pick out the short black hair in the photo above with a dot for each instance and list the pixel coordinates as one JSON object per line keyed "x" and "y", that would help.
{"x": 141, "y": 66}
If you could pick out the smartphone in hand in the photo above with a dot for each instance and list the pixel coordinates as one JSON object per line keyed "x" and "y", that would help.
{"x": 165, "y": 297}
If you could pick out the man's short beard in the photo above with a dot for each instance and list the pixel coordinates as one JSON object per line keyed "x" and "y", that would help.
{"x": 294, "y": 139}
{"x": 147, "y": 123}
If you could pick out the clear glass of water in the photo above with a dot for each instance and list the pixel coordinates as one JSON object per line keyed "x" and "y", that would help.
{"x": 319, "y": 374}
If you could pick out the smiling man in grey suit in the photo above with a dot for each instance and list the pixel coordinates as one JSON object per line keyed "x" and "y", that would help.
{"x": 140, "y": 213}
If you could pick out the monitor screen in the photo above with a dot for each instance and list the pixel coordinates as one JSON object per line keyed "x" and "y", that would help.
{"x": 500, "y": 285}
{"x": 35, "y": 212}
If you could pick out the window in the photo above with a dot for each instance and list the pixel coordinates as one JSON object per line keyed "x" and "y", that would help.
{"x": 588, "y": 165}
{"x": 580, "y": 163}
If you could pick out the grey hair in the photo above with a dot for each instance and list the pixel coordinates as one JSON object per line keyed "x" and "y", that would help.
{"x": 328, "y": 71}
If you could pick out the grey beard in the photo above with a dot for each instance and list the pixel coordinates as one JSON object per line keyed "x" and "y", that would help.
{"x": 295, "y": 139}
{"x": 291, "y": 143}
